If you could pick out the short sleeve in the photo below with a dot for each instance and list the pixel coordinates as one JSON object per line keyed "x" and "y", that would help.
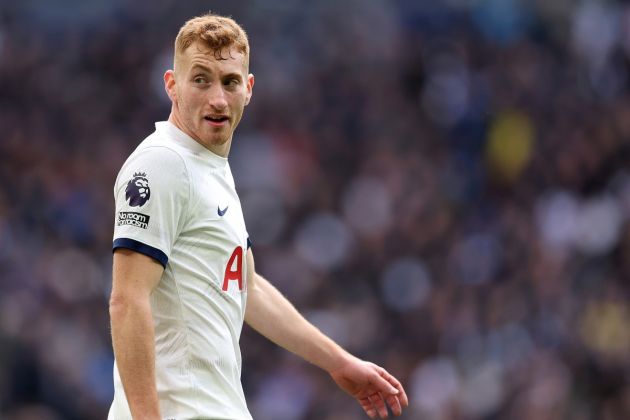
{"x": 152, "y": 192}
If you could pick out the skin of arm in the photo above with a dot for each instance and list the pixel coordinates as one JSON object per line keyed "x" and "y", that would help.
{"x": 273, "y": 316}
{"x": 134, "y": 277}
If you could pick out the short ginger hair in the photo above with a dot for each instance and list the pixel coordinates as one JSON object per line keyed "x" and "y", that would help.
{"x": 214, "y": 32}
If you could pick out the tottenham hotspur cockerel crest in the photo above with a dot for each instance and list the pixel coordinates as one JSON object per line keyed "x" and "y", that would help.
{"x": 138, "y": 191}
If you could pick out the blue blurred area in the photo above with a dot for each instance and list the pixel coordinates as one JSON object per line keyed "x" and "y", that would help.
{"x": 443, "y": 187}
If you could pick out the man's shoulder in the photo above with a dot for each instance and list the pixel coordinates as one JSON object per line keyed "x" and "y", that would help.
{"x": 157, "y": 158}
{"x": 157, "y": 145}
{"x": 156, "y": 149}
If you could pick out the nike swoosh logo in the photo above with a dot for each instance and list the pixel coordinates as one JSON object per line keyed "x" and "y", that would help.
{"x": 222, "y": 212}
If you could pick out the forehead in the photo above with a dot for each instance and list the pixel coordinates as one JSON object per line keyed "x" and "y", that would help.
{"x": 228, "y": 60}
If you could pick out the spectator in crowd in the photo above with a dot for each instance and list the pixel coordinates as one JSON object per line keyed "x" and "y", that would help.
{"x": 451, "y": 200}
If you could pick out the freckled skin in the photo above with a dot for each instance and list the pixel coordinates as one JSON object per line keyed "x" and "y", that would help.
{"x": 201, "y": 86}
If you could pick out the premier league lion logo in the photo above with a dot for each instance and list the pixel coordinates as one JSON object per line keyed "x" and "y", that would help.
{"x": 138, "y": 191}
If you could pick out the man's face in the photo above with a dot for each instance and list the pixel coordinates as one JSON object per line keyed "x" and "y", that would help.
{"x": 209, "y": 94}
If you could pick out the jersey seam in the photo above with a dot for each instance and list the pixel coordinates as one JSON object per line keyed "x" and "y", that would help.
{"x": 191, "y": 379}
{"x": 177, "y": 153}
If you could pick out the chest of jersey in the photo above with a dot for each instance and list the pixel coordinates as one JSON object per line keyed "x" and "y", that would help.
{"x": 220, "y": 209}
{"x": 216, "y": 233}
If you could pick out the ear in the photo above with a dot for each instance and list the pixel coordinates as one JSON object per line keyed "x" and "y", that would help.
{"x": 169, "y": 85}
{"x": 250, "y": 86}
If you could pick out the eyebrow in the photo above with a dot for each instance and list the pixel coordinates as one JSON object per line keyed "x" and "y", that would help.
{"x": 200, "y": 67}
{"x": 208, "y": 70}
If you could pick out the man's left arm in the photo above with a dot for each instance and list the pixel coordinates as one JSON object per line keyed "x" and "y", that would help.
{"x": 272, "y": 315}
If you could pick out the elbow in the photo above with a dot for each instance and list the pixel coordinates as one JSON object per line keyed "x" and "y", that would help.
{"x": 123, "y": 305}
{"x": 118, "y": 306}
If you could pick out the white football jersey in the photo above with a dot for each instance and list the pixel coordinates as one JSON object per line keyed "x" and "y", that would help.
{"x": 176, "y": 202}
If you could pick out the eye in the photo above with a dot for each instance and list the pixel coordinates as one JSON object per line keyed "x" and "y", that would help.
{"x": 231, "y": 82}
{"x": 199, "y": 80}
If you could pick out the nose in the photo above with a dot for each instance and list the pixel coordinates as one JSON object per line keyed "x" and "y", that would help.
{"x": 217, "y": 97}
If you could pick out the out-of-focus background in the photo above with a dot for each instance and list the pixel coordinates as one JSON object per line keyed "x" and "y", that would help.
{"x": 441, "y": 186}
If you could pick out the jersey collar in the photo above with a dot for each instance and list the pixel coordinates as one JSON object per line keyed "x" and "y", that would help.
{"x": 189, "y": 143}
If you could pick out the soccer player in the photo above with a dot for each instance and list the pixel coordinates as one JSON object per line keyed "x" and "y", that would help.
{"x": 183, "y": 274}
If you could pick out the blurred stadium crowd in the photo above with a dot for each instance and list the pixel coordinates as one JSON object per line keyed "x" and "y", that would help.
{"x": 443, "y": 187}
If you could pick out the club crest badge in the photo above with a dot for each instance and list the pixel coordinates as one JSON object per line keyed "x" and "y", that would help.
{"x": 138, "y": 191}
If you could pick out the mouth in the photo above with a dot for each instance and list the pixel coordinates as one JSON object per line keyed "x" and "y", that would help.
{"x": 216, "y": 120}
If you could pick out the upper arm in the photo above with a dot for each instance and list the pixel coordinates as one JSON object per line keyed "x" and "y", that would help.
{"x": 152, "y": 194}
{"x": 135, "y": 275}
{"x": 251, "y": 270}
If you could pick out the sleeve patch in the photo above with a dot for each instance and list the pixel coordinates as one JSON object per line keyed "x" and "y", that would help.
{"x": 137, "y": 192}
{"x": 133, "y": 219}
